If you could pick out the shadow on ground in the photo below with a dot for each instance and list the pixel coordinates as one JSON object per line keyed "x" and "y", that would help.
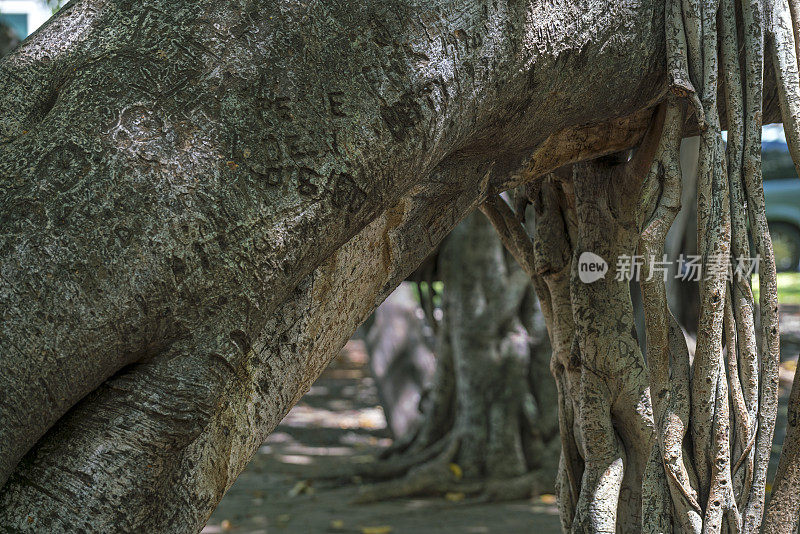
{"x": 338, "y": 421}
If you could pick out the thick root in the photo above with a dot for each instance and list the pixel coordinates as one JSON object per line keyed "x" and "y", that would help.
{"x": 441, "y": 476}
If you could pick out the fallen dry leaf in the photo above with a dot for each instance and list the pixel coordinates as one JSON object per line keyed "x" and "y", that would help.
{"x": 302, "y": 487}
{"x": 454, "y": 496}
{"x": 456, "y": 470}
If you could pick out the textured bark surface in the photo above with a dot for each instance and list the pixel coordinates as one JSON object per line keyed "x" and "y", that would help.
{"x": 174, "y": 176}
{"x": 156, "y": 446}
{"x": 504, "y": 409}
{"x": 784, "y": 502}
{"x": 616, "y": 412}
{"x": 713, "y": 415}
{"x": 200, "y": 202}
{"x": 682, "y": 296}
{"x": 676, "y": 444}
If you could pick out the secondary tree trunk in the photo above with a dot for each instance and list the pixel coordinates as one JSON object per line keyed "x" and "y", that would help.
{"x": 489, "y": 422}
{"x": 400, "y": 345}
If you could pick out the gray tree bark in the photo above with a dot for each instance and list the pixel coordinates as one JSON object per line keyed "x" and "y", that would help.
{"x": 674, "y": 444}
{"x": 200, "y": 204}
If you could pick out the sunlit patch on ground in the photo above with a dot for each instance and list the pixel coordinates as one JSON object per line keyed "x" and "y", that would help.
{"x": 339, "y": 420}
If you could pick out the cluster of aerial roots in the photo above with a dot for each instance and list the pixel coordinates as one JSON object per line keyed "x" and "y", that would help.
{"x": 676, "y": 442}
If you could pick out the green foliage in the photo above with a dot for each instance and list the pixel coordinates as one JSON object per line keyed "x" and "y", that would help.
{"x": 424, "y": 288}
{"x": 788, "y": 288}
{"x": 54, "y": 5}
{"x": 777, "y": 164}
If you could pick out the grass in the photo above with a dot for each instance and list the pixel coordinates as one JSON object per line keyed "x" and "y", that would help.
{"x": 788, "y": 288}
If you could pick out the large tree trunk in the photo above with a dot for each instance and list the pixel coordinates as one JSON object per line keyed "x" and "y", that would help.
{"x": 199, "y": 203}
{"x": 489, "y": 424}
{"x": 188, "y": 192}
{"x": 504, "y": 416}
{"x": 155, "y": 447}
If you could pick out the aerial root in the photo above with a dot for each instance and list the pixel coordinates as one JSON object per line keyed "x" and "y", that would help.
{"x": 441, "y": 476}
{"x": 386, "y": 468}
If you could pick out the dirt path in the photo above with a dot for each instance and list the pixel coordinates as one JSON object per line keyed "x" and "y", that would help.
{"x": 338, "y": 421}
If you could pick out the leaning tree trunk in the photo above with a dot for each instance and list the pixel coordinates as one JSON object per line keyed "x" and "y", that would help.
{"x": 201, "y": 202}
{"x": 489, "y": 422}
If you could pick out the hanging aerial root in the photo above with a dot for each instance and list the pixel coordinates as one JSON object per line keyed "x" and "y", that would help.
{"x": 782, "y": 513}
{"x": 742, "y": 355}
{"x": 784, "y": 27}
{"x": 671, "y": 408}
{"x": 768, "y": 294}
{"x": 784, "y": 505}
{"x": 731, "y": 441}
{"x": 547, "y": 258}
{"x": 678, "y": 63}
